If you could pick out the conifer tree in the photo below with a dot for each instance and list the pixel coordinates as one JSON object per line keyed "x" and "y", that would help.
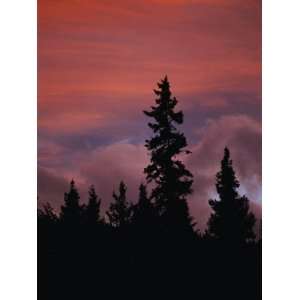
{"x": 46, "y": 214}
{"x": 231, "y": 220}
{"x": 92, "y": 209}
{"x": 71, "y": 211}
{"x": 120, "y": 211}
{"x": 48, "y": 223}
{"x": 172, "y": 181}
{"x": 144, "y": 214}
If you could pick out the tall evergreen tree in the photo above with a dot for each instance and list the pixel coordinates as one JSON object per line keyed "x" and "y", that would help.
{"x": 172, "y": 180}
{"x": 231, "y": 220}
{"x": 120, "y": 211}
{"x": 92, "y": 209}
{"x": 71, "y": 211}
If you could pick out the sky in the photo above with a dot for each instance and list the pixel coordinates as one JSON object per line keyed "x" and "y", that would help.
{"x": 98, "y": 63}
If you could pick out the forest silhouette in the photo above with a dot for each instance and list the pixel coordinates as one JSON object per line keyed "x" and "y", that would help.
{"x": 151, "y": 249}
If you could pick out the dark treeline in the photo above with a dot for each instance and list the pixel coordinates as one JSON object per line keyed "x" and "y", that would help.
{"x": 150, "y": 248}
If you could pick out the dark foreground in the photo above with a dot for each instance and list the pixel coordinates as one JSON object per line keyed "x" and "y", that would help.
{"x": 105, "y": 263}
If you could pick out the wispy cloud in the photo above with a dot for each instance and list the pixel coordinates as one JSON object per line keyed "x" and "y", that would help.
{"x": 98, "y": 62}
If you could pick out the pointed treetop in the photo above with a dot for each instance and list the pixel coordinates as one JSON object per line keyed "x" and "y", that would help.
{"x": 92, "y": 210}
{"x": 143, "y": 192}
{"x": 92, "y": 192}
{"x": 164, "y": 85}
{"x": 122, "y": 187}
{"x": 226, "y": 178}
{"x": 120, "y": 210}
{"x": 172, "y": 180}
{"x": 226, "y": 152}
{"x": 73, "y": 188}
{"x": 71, "y": 209}
{"x": 231, "y": 219}
{"x": 226, "y": 161}
{"x": 92, "y": 188}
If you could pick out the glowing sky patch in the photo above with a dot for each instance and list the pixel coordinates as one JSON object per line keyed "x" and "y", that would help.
{"x": 98, "y": 62}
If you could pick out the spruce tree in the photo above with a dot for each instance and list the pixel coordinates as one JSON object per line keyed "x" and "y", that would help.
{"x": 71, "y": 211}
{"x": 92, "y": 209}
{"x": 172, "y": 181}
{"x": 231, "y": 220}
{"x": 144, "y": 213}
{"x": 120, "y": 211}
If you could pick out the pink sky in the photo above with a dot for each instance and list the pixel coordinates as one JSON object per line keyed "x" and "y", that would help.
{"x": 98, "y": 62}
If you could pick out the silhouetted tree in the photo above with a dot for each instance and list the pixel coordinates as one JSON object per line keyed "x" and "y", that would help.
{"x": 71, "y": 211}
{"x": 144, "y": 213}
{"x": 47, "y": 229}
{"x": 231, "y": 220}
{"x": 46, "y": 215}
{"x": 153, "y": 238}
{"x": 120, "y": 211}
{"x": 47, "y": 224}
{"x": 92, "y": 209}
{"x": 172, "y": 180}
